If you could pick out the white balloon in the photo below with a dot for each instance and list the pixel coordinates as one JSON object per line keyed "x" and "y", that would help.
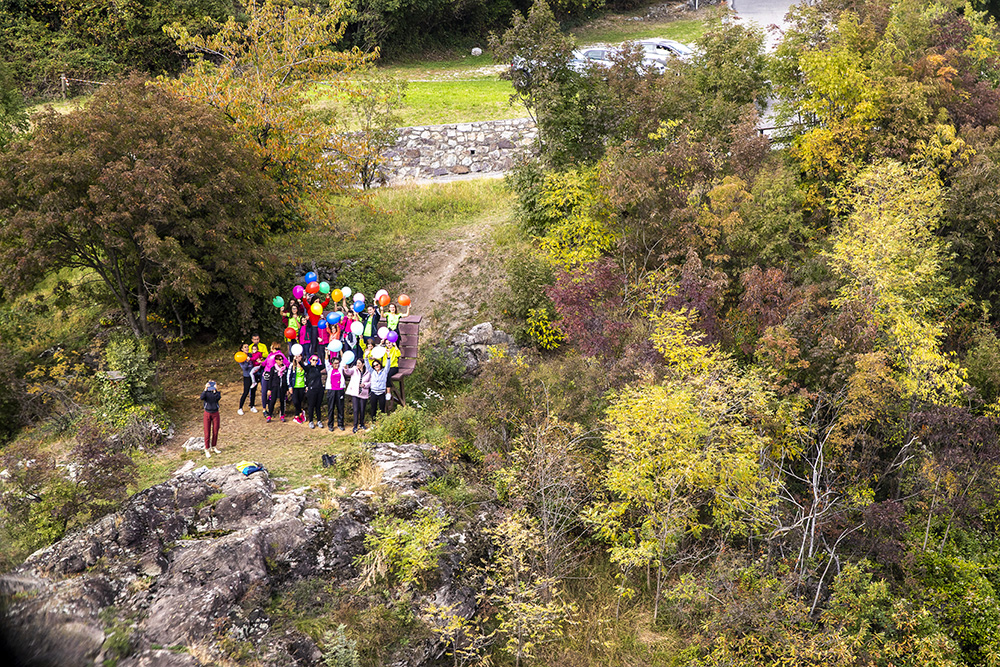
{"x": 296, "y": 350}
{"x": 347, "y": 291}
{"x": 336, "y": 345}
{"x": 378, "y": 351}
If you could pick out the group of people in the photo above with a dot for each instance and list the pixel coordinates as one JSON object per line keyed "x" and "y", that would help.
{"x": 333, "y": 354}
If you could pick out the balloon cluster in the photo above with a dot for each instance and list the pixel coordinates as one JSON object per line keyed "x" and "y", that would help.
{"x": 312, "y": 285}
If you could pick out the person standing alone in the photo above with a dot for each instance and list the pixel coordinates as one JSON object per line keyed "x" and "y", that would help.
{"x": 211, "y": 397}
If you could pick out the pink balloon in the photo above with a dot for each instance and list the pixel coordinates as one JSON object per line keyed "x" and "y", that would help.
{"x": 298, "y": 291}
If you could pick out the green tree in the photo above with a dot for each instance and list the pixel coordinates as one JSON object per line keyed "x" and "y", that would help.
{"x": 373, "y": 100}
{"x": 143, "y": 188}
{"x": 13, "y": 117}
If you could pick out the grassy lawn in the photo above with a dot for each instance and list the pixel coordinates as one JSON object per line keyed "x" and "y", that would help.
{"x": 609, "y": 31}
{"x": 446, "y": 101}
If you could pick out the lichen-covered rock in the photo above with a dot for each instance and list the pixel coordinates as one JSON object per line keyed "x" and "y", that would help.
{"x": 473, "y": 346}
{"x": 191, "y": 564}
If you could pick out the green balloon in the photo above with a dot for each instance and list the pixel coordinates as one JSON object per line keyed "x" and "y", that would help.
{"x": 278, "y": 302}
{"x": 324, "y": 287}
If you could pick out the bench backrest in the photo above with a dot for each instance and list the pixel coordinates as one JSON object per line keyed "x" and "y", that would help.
{"x": 409, "y": 342}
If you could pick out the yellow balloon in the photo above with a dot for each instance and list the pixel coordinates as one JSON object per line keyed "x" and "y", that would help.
{"x": 317, "y": 309}
{"x": 240, "y": 357}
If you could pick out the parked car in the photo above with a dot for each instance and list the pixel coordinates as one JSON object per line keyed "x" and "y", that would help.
{"x": 604, "y": 56}
{"x": 665, "y": 48}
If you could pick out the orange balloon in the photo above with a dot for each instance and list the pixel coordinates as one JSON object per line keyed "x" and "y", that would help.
{"x": 383, "y": 300}
{"x": 336, "y": 295}
{"x": 404, "y": 300}
{"x": 240, "y": 357}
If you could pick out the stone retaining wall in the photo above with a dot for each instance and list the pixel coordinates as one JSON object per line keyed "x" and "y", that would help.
{"x": 442, "y": 150}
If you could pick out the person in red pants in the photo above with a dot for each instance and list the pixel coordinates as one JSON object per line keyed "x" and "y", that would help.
{"x": 211, "y": 397}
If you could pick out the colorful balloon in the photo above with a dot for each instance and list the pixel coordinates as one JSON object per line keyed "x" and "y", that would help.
{"x": 298, "y": 291}
{"x": 277, "y": 302}
{"x": 311, "y": 277}
{"x": 346, "y": 292}
{"x": 336, "y": 295}
{"x": 348, "y": 358}
{"x": 334, "y": 317}
{"x": 240, "y": 357}
{"x": 316, "y": 308}
{"x": 296, "y": 350}
{"x": 384, "y": 300}
{"x": 336, "y": 345}
{"x": 404, "y": 300}
{"x": 358, "y": 296}
{"x": 321, "y": 324}
{"x": 312, "y": 287}
{"x": 357, "y": 328}
{"x": 290, "y": 333}
{"x": 378, "y": 294}
{"x": 324, "y": 287}
{"x": 359, "y": 306}
{"x": 383, "y": 332}
{"x": 392, "y": 337}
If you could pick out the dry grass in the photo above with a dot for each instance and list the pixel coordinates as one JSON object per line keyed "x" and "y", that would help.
{"x": 367, "y": 477}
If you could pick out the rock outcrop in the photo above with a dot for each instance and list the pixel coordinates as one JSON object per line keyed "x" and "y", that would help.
{"x": 473, "y": 346}
{"x": 195, "y": 560}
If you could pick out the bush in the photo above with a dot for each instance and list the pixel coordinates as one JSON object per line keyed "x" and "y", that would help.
{"x": 351, "y": 460}
{"x": 401, "y": 426}
{"x": 340, "y": 651}
{"x": 402, "y": 551}
{"x": 129, "y": 356}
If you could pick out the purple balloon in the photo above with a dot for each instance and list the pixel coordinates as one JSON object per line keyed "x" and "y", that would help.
{"x": 298, "y": 291}
{"x": 392, "y": 337}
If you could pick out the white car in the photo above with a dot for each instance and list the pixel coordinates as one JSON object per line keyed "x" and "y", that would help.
{"x": 665, "y": 48}
{"x": 603, "y": 56}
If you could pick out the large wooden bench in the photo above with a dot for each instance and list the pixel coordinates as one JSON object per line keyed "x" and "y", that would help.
{"x": 409, "y": 342}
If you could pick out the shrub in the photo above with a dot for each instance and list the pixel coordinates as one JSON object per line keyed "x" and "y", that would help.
{"x": 400, "y": 426}
{"x": 340, "y": 651}
{"x": 129, "y": 356}
{"x": 400, "y": 550}
{"x": 351, "y": 460}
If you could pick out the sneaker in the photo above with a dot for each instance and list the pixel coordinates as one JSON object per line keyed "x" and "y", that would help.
{"x": 252, "y": 409}
{"x": 341, "y": 428}
{"x": 301, "y": 419}
{"x": 312, "y": 424}
{"x": 240, "y": 411}
{"x": 331, "y": 428}
{"x": 282, "y": 418}
{"x": 267, "y": 418}
{"x": 355, "y": 430}
{"x": 326, "y": 460}
{"x": 208, "y": 454}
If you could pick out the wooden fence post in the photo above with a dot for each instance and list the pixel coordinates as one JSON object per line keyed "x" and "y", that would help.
{"x": 62, "y": 85}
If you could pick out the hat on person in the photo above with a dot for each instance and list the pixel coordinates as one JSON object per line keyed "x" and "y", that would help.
{"x": 211, "y": 384}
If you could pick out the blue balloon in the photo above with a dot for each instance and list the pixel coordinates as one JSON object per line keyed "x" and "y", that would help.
{"x": 359, "y": 306}
{"x": 334, "y": 317}
{"x": 348, "y": 358}
{"x": 321, "y": 324}
{"x": 310, "y": 277}
{"x": 336, "y": 345}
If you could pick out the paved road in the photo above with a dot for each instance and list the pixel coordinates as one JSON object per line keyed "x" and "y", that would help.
{"x": 765, "y": 13}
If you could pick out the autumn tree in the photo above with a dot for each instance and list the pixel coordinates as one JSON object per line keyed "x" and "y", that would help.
{"x": 146, "y": 190}
{"x": 685, "y": 455}
{"x": 257, "y": 70}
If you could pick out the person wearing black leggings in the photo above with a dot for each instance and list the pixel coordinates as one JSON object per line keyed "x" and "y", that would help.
{"x": 314, "y": 391}
{"x": 357, "y": 389}
{"x": 335, "y": 385}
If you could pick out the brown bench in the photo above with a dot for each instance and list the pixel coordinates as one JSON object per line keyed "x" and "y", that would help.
{"x": 409, "y": 342}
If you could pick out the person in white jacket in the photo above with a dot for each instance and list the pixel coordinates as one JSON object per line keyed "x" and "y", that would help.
{"x": 357, "y": 389}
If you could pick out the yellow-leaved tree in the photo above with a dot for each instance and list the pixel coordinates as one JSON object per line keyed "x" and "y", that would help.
{"x": 687, "y": 454}
{"x": 890, "y": 261}
{"x": 257, "y": 70}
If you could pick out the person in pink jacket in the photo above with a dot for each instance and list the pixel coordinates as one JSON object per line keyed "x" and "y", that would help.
{"x": 336, "y": 386}
{"x": 357, "y": 389}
